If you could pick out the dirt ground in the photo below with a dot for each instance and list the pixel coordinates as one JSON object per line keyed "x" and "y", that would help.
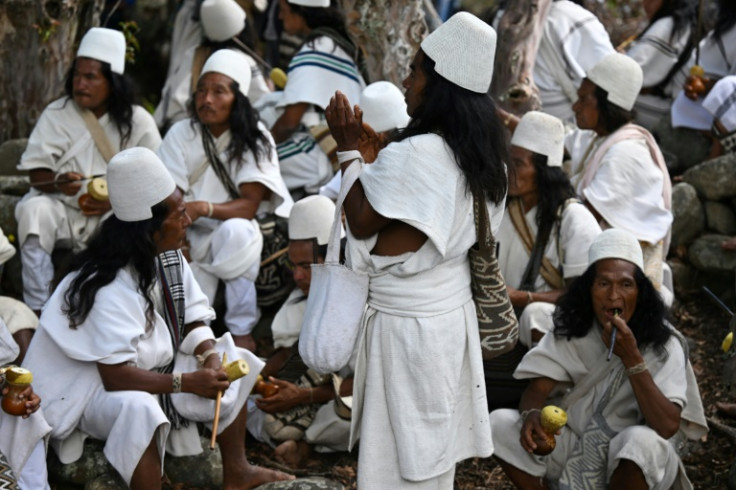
{"x": 707, "y": 463}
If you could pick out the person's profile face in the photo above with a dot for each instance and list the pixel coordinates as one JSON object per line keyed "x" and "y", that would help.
{"x": 415, "y": 84}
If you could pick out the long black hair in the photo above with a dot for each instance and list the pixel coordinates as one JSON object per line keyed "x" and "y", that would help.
{"x": 469, "y": 125}
{"x": 613, "y": 116}
{"x": 245, "y": 135}
{"x": 331, "y": 17}
{"x": 115, "y": 245}
{"x": 119, "y": 103}
{"x": 554, "y": 188}
{"x": 574, "y": 315}
{"x": 726, "y": 17}
{"x": 684, "y": 15}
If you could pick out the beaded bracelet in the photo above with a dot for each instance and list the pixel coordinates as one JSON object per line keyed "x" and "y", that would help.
{"x": 176, "y": 383}
{"x": 639, "y": 368}
{"x": 529, "y": 299}
{"x": 210, "y": 209}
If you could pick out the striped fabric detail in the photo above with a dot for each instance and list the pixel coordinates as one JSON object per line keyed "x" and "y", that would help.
{"x": 327, "y": 62}
{"x": 294, "y": 147}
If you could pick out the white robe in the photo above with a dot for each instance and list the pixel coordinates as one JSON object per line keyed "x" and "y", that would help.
{"x": 569, "y": 362}
{"x": 64, "y": 362}
{"x": 574, "y": 40}
{"x": 61, "y": 142}
{"x": 175, "y": 95}
{"x": 419, "y": 401}
{"x": 657, "y": 52}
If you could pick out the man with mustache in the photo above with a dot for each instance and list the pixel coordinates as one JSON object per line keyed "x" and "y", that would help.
{"x": 74, "y": 138}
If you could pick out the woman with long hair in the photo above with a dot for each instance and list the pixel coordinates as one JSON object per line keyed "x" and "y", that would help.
{"x": 224, "y": 161}
{"x": 419, "y": 401}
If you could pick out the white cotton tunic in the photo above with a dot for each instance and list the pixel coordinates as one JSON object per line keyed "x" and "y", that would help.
{"x": 175, "y": 95}
{"x": 572, "y": 239}
{"x": 61, "y": 142}
{"x": 419, "y": 401}
{"x": 76, "y": 404}
{"x": 657, "y": 52}
{"x": 576, "y": 42}
{"x": 569, "y": 361}
{"x": 183, "y": 154}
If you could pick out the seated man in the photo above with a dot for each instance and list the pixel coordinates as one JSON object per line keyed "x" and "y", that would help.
{"x": 123, "y": 353}
{"x": 303, "y": 412}
{"x": 623, "y": 415}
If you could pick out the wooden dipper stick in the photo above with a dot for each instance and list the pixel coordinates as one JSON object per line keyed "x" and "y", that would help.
{"x": 218, "y": 402}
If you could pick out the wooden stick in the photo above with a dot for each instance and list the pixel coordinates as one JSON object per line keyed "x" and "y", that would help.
{"x": 218, "y": 402}
{"x": 66, "y": 181}
{"x": 274, "y": 256}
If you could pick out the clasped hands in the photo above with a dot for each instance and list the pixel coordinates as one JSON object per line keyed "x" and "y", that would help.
{"x": 348, "y": 129}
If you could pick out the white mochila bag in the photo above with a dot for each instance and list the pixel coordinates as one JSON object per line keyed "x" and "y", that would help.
{"x": 337, "y": 299}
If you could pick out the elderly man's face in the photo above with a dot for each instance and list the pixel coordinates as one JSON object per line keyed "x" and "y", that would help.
{"x": 614, "y": 290}
{"x": 213, "y": 101}
{"x": 90, "y": 88}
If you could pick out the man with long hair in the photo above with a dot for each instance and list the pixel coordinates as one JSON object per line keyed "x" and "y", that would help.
{"x": 74, "y": 138}
{"x": 624, "y": 414}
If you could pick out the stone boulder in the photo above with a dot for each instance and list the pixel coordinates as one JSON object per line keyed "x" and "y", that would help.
{"x": 720, "y": 218}
{"x": 311, "y": 483}
{"x": 689, "y": 216}
{"x": 10, "y": 152}
{"x": 714, "y": 179}
{"x": 706, "y": 254}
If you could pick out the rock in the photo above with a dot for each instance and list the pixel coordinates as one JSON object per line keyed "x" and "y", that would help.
{"x": 15, "y": 185}
{"x": 720, "y": 218}
{"x": 202, "y": 470}
{"x": 312, "y": 483}
{"x": 689, "y": 216}
{"x": 714, "y": 179}
{"x": 689, "y": 280}
{"x": 106, "y": 482}
{"x": 10, "y": 152}
{"x": 706, "y": 254}
{"x": 731, "y": 485}
{"x": 7, "y": 215}
{"x": 682, "y": 147}
{"x": 91, "y": 465}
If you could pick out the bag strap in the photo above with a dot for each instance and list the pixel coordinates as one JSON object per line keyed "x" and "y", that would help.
{"x": 211, "y": 152}
{"x": 483, "y": 232}
{"x": 351, "y": 174}
{"x": 102, "y": 142}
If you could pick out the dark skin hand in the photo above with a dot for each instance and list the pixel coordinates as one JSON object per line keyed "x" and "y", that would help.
{"x": 23, "y": 339}
{"x": 394, "y": 237}
{"x": 291, "y": 395}
{"x": 252, "y": 193}
{"x": 289, "y": 122}
{"x": 32, "y": 400}
{"x": 70, "y": 184}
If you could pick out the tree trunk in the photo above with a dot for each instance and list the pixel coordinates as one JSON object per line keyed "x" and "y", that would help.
{"x": 389, "y": 32}
{"x": 519, "y": 33}
{"x": 37, "y": 44}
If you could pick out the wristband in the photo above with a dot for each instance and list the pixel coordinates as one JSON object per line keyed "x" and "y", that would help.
{"x": 639, "y": 368}
{"x": 176, "y": 383}
{"x": 526, "y": 413}
{"x": 201, "y": 358}
{"x": 210, "y": 209}
{"x": 529, "y": 299}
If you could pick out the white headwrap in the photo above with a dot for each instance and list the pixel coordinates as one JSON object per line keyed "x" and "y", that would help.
{"x": 311, "y": 3}
{"x": 221, "y": 19}
{"x": 136, "y": 181}
{"x": 230, "y": 63}
{"x": 463, "y": 49}
{"x": 384, "y": 107}
{"x": 543, "y": 134}
{"x": 620, "y": 76}
{"x": 615, "y": 243}
{"x": 312, "y": 217}
{"x": 102, "y": 44}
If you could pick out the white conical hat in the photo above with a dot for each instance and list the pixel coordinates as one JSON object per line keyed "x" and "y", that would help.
{"x": 543, "y": 134}
{"x": 231, "y": 63}
{"x": 384, "y": 107}
{"x": 311, "y": 3}
{"x": 463, "y": 49}
{"x": 620, "y": 76}
{"x": 312, "y": 217}
{"x": 221, "y": 19}
{"x": 615, "y": 243}
{"x": 102, "y": 44}
{"x": 136, "y": 181}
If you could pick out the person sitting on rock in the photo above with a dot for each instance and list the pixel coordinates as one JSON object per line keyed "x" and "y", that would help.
{"x": 123, "y": 352}
{"x": 74, "y": 139}
{"x": 626, "y": 417}
{"x": 302, "y": 413}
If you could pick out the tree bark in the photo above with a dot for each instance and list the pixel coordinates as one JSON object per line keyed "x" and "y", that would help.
{"x": 37, "y": 44}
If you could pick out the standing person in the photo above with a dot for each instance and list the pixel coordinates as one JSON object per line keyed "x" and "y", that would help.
{"x": 74, "y": 138}
{"x": 419, "y": 402}
{"x": 626, "y": 417}
{"x": 326, "y": 61}
{"x": 224, "y": 162}
{"x": 123, "y": 342}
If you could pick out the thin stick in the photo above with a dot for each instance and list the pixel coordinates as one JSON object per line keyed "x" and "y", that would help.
{"x": 613, "y": 335}
{"x": 274, "y": 256}
{"x": 718, "y": 300}
{"x": 218, "y": 402}
{"x": 252, "y": 53}
{"x": 66, "y": 181}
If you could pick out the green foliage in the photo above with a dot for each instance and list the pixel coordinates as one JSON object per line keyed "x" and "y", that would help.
{"x": 130, "y": 29}
{"x": 46, "y": 28}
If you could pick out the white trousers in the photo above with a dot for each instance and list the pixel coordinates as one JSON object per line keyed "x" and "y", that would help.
{"x": 34, "y": 475}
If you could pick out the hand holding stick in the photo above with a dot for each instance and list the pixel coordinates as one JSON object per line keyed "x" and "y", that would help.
{"x": 616, "y": 313}
{"x": 218, "y": 402}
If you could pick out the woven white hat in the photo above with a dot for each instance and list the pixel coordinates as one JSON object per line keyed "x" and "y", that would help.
{"x": 543, "y": 134}
{"x": 384, "y": 107}
{"x": 137, "y": 180}
{"x": 615, "y": 243}
{"x": 230, "y": 63}
{"x": 102, "y": 44}
{"x": 620, "y": 76}
{"x": 221, "y": 19}
{"x": 463, "y": 49}
{"x": 312, "y": 217}
{"x": 311, "y": 3}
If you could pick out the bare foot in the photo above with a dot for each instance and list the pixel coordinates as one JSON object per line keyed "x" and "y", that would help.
{"x": 729, "y": 244}
{"x": 245, "y": 342}
{"x": 728, "y": 409}
{"x": 255, "y": 476}
{"x": 294, "y": 454}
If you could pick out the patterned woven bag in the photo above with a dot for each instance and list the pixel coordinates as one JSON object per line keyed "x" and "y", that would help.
{"x": 497, "y": 323}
